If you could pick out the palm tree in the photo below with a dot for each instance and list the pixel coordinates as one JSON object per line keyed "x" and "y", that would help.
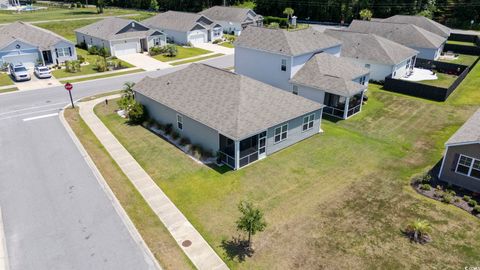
{"x": 251, "y": 221}
{"x": 128, "y": 89}
{"x": 418, "y": 231}
{"x": 289, "y": 12}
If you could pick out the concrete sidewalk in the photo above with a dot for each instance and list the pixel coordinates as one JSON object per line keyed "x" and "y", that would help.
{"x": 3, "y": 246}
{"x": 187, "y": 237}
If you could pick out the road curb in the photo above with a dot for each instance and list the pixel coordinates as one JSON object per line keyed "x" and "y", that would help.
{"x": 3, "y": 246}
{"x": 111, "y": 196}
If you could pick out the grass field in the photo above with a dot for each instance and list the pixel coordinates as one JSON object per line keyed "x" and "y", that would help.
{"x": 196, "y": 59}
{"x": 337, "y": 200}
{"x": 5, "y": 79}
{"x": 444, "y": 80}
{"x": 103, "y": 75}
{"x": 463, "y": 59}
{"x": 183, "y": 53}
{"x": 11, "y": 89}
{"x": 56, "y": 13}
{"x": 66, "y": 29}
{"x": 464, "y": 43}
{"x": 227, "y": 45}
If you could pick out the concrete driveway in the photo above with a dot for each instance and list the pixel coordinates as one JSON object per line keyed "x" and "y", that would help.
{"x": 144, "y": 61}
{"x": 36, "y": 83}
{"x": 215, "y": 48}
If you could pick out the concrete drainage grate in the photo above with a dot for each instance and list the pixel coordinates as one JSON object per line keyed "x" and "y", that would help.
{"x": 186, "y": 243}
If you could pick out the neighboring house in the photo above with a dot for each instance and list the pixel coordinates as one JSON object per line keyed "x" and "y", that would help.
{"x": 120, "y": 36}
{"x": 423, "y": 22}
{"x": 382, "y": 56}
{"x": 428, "y": 44}
{"x": 184, "y": 27}
{"x": 233, "y": 19}
{"x": 336, "y": 82}
{"x": 274, "y": 56}
{"x": 461, "y": 162}
{"x": 23, "y": 43}
{"x": 242, "y": 119}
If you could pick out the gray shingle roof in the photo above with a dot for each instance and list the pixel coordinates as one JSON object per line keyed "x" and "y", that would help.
{"x": 230, "y": 14}
{"x": 31, "y": 34}
{"x": 285, "y": 42}
{"x": 405, "y": 34}
{"x": 108, "y": 28}
{"x": 371, "y": 47}
{"x": 235, "y": 105}
{"x": 469, "y": 132}
{"x": 178, "y": 21}
{"x": 421, "y": 21}
{"x": 331, "y": 74}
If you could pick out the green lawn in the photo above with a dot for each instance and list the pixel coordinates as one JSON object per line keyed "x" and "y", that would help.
{"x": 102, "y": 76}
{"x": 197, "y": 59}
{"x": 11, "y": 89}
{"x": 67, "y": 28}
{"x": 337, "y": 200}
{"x": 5, "y": 79}
{"x": 444, "y": 80}
{"x": 56, "y": 13}
{"x": 86, "y": 70}
{"x": 183, "y": 52}
{"x": 464, "y": 43}
{"x": 227, "y": 45}
{"x": 463, "y": 59}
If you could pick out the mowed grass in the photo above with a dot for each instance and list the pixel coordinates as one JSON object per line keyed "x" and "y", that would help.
{"x": 103, "y": 76}
{"x": 157, "y": 237}
{"x": 463, "y": 59}
{"x": 197, "y": 59}
{"x": 58, "y": 13}
{"x": 444, "y": 80}
{"x": 66, "y": 29}
{"x": 468, "y": 92}
{"x": 5, "y": 79}
{"x": 337, "y": 200}
{"x": 183, "y": 52}
{"x": 227, "y": 45}
{"x": 464, "y": 43}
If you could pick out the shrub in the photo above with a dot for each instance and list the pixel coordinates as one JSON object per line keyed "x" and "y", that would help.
{"x": 93, "y": 50}
{"x": 72, "y": 66}
{"x": 216, "y": 41}
{"x": 136, "y": 113}
{"x": 101, "y": 65}
{"x": 457, "y": 199}
{"x": 197, "y": 151}
{"x": 171, "y": 50}
{"x": 78, "y": 4}
{"x": 81, "y": 59}
{"x": 418, "y": 231}
{"x": 157, "y": 50}
{"x": 168, "y": 129}
{"x": 476, "y": 209}
{"x": 175, "y": 135}
{"x": 472, "y": 203}
{"x": 451, "y": 192}
{"x": 184, "y": 141}
{"x": 467, "y": 198}
{"x": 425, "y": 187}
{"x": 447, "y": 198}
{"x": 282, "y": 22}
{"x": 189, "y": 44}
{"x": 427, "y": 178}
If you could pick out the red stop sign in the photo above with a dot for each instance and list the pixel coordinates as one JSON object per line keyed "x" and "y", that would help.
{"x": 68, "y": 86}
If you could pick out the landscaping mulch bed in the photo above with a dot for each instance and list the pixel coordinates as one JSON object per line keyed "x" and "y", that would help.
{"x": 446, "y": 193}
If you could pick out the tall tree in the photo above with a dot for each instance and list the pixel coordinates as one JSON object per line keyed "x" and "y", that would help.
{"x": 366, "y": 14}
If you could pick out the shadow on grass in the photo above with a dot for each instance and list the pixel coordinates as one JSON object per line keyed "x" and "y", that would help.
{"x": 237, "y": 249}
{"x": 330, "y": 118}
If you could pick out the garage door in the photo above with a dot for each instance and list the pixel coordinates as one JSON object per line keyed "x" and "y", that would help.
{"x": 198, "y": 38}
{"x": 28, "y": 60}
{"x": 126, "y": 48}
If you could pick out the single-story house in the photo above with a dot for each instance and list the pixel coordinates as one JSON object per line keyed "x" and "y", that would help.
{"x": 428, "y": 44}
{"x": 233, "y": 19}
{"x": 336, "y": 82}
{"x": 23, "y": 43}
{"x": 423, "y": 22}
{"x": 184, "y": 27}
{"x": 273, "y": 56}
{"x": 242, "y": 119}
{"x": 461, "y": 162}
{"x": 120, "y": 36}
{"x": 382, "y": 56}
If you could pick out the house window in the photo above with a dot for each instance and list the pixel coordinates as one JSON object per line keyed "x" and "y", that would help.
{"x": 281, "y": 133}
{"x": 295, "y": 90}
{"x": 308, "y": 122}
{"x": 63, "y": 52}
{"x": 284, "y": 65}
{"x": 217, "y": 32}
{"x": 157, "y": 41}
{"x": 468, "y": 166}
{"x": 180, "y": 122}
{"x": 367, "y": 65}
{"x": 362, "y": 80}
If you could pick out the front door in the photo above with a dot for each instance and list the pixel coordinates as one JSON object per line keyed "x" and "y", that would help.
{"x": 262, "y": 145}
{"x": 47, "y": 57}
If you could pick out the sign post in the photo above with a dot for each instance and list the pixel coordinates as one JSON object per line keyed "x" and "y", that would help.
{"x": 69, "y": 87}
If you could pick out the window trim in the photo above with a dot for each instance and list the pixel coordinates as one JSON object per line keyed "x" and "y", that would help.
{"x": 64, "y": 51}
{"x": 312, "y": 122}
{"x": 179, "y": 121}
{"x": 281, "y": 133}
{"x": 470, "y": 167}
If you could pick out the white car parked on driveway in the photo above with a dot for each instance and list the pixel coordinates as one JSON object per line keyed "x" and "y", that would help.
{"x": 19, "y": 72}
{"x": 42, "y": 72}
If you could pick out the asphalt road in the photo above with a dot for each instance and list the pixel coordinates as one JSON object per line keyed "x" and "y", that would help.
{"x": 56, "y": 215}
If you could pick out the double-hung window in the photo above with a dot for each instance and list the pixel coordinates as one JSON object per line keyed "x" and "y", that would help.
{"x": 63, "y": 52}
{"x": 157, "y": 41}
{"x": 284, "y": 65}
{"x": 180, "y": 122}
{"x": 308, "y": 122}
{"x": 468, "y": 166}
{"x": 295, "y": 90}
{"x": 281, "y": 133}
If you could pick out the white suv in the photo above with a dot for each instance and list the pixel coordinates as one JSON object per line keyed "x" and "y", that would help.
{"x": 19, "y": 72}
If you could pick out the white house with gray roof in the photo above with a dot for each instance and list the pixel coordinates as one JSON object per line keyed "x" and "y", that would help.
{"x": 421, "y": 21}
{"x": 274, "y": 56}
{"x": 381, "y": 56}
{"x": 336, "y": 82}
{"x": 428, "y": 44}
{"x": 184, "y": 27}
{"x": 23, "y": 43}
{"x": 233, "y": 19}
{"x": 461, "y": 162}
{"x": 120, "y": 36}
{"x": 242, "y": 119}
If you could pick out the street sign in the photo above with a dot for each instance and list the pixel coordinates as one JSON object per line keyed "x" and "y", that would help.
{"x": 69, "y": 87}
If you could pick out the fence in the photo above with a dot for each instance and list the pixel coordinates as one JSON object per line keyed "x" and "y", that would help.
{"x": 442, "y": 67}
{"x": 463, "y": 49}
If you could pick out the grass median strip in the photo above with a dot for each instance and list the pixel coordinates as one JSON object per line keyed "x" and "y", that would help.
{"x": 196, "y": 59}
{"x": 152, "y": 230}
{"x": 12, "y": 89}
{"x": 102, "y": 76}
